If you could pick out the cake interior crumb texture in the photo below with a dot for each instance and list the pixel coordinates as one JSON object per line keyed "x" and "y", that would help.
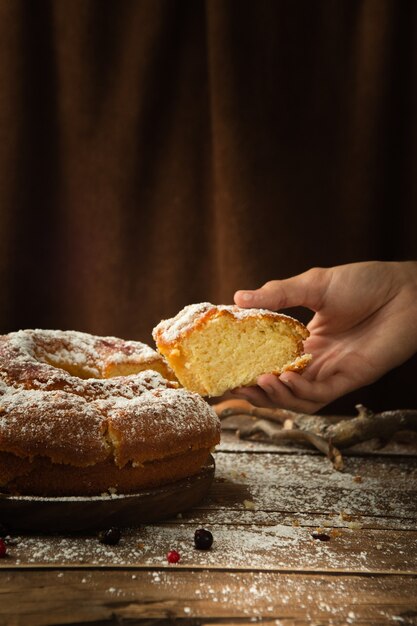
{"x": 227, "y": 352}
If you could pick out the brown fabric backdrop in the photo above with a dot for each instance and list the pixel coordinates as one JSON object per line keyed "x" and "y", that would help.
{"x": 155, "y": 153}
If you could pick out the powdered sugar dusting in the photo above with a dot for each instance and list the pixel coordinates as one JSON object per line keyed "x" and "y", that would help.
{"x": 70, "y": 426}
{"x": 44, "y": 355}
{"x": 262, "y": 547}
{"x": 264, "y": 565}
{"x": 183, "y": 412}
{"x": 170, "y": 330}
{"x": 66, "y": 426}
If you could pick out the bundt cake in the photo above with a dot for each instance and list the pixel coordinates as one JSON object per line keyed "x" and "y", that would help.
{"x": 76, "y": 420}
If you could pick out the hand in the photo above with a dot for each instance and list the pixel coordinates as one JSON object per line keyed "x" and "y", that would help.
{"x": 365, "y": 324}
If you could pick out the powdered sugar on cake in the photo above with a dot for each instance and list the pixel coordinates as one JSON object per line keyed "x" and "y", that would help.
{"x": 171, "y": 329}
{"x": 162, "y": 411}
{"x": 30, "y": 418}
{"x": 43, "y": 359}
{"x": 81, "y": 349}
{"x": 75, "y": 426}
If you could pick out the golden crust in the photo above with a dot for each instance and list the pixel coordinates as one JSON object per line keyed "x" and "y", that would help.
{"x": 168, "y": 334}
{"x": 41, "y": 477}
{"x": 201, "y": 318}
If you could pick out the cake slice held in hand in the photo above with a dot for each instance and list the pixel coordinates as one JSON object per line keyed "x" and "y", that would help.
{"x": 212, "y": 349}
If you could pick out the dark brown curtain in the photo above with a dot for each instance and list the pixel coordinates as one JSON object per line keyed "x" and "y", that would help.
{"x": 155, "y": 153}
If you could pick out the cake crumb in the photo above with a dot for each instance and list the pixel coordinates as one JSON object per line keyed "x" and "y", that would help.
{"x": 354, "y": 525}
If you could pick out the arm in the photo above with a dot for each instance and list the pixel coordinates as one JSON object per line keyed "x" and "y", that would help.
{"x": 365, "y": 324}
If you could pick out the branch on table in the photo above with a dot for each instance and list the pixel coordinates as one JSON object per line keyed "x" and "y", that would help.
{"x": 328, "y": 434}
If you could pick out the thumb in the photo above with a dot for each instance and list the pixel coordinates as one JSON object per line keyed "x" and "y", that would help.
{"x": 307, "y": 289}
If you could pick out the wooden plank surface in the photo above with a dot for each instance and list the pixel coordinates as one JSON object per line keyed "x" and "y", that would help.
{"x": 117, "y": 597}
{"x": 264, "y": 563}
{"x": 276, "y": 548}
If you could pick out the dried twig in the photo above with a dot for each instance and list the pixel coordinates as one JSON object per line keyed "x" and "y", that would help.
{"x": 278, "y": 435}
{"x": 326, "y": 433}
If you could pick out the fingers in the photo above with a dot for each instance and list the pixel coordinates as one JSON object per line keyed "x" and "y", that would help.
{"x": 271, "y": 296}
{"x": 272, "y": 393}
{"x": 255, "y": 395}
{"x": 284, "y": 399}
{"x": 287, "y": 395}
{"x": 295, "y": 391}
{"x": 307, "y": 289}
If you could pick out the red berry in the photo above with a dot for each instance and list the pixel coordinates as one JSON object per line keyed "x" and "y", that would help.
{"x": 173, "y": 556}
{"x": 3, "y": 549}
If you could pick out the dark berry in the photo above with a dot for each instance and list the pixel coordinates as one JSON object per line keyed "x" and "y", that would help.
{"x": 320, "y": 536}
{"x": 110, "y": 537}
{"x": 3, "y": 549}
{"x": 173, "y": 556}
{"x": 203, "y": 539}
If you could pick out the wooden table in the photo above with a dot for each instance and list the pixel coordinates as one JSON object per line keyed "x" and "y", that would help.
{"x": 264, "y": 565}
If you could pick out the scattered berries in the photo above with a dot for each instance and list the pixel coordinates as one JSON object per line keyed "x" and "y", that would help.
{"x": 173, "y": 556}
{"x": 3, "y": 549}
{"x": 110, "y": 537}
{"x": 203, "y": 539}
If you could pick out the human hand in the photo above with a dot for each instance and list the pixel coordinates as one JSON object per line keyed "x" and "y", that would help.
{"x": 365, "y": 324}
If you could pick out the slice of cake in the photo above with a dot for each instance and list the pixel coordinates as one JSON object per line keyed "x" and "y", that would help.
{"x": 215, "y": 348}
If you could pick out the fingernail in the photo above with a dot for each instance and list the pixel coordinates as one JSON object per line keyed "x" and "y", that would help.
{"x": 246, "y": 296}
{"x": 285, "y": 380}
